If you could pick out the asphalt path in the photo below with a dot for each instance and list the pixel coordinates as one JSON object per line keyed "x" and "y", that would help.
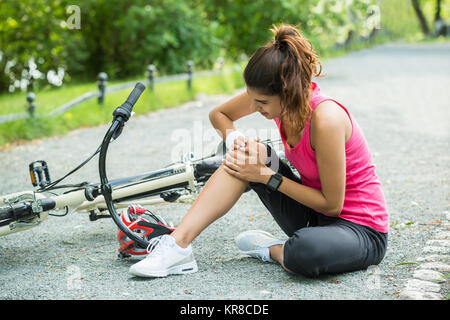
{"x": 397, "y": 92}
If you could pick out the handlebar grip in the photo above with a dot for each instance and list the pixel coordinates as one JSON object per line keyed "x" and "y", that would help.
{"x": 6, "y": 212}
{"x": 134, "y": 96}
{"x": 24, "y": 210}
{"x": 124, "y": 111}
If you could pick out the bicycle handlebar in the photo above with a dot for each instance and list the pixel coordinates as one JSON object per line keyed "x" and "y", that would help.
{"x": 24, "y": 210}
{"x": 15, "y": 211}
{"x": 121, "y": 115}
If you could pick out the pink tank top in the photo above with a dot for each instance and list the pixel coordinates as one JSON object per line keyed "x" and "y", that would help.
{"x": 364, "y": 201}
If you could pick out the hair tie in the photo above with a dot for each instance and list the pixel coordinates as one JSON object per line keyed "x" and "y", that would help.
{"x": 277, "y": 44}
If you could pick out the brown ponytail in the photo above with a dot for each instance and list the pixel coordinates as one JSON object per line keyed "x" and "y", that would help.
{"x": 285, "y": 67}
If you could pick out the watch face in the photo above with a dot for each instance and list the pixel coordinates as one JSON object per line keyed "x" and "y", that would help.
{"x": 274, "y": 182}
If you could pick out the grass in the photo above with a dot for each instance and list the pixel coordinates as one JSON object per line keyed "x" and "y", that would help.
{"x": 47, "y": 98}
{"x": 90, "y": 113}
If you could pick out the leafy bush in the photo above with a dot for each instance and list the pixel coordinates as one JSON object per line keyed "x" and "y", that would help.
{"x": 31, "y": 40}
{"x": 121, "y": 37}
{"x": 148, "y": 36}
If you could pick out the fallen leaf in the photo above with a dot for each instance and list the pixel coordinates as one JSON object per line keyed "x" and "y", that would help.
{"x": 228, "y": 259}
{"x": 334, "y": 281}
{"x": 404, "y": 264}
{"x": 438, "y": 221}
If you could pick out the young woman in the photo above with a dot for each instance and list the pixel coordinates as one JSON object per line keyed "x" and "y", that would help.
{"x": 335, "y": 216}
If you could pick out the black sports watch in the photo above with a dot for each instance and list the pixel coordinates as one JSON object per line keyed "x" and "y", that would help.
{"x": 274, "y": 181}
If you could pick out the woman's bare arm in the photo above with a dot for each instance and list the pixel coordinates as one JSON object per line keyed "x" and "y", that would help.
{"x": 223, "y": 116}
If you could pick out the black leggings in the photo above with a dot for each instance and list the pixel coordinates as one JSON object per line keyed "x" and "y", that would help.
{"x": 319, "y": 244}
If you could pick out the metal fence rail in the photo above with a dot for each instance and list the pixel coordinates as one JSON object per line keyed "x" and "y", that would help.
{"x": 110, "y": 89}
{"x": 13, "y": 117}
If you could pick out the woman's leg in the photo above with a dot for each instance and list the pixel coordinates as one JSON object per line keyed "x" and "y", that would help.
{"x": 289, "y": 214}
{"x": 340, "y": 246}
{"x": 277, "y": 254}
{"x": 172, "y": 254}
{"x": 216, "y": 198}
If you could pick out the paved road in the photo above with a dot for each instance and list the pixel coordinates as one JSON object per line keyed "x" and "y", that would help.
{"x": 398, "y": 94}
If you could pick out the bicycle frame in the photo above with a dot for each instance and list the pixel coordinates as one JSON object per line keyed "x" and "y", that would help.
{"x": 146, "y": 187}
{"x": 177, "y": 176}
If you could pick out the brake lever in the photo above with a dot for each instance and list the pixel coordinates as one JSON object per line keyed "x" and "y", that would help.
{"x": 119, "y": 129}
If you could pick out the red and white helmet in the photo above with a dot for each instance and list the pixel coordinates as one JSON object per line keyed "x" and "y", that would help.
{"x": 144, "y": 224}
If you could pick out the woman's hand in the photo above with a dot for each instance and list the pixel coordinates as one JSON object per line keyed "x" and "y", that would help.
{"x": 246, "y": 161}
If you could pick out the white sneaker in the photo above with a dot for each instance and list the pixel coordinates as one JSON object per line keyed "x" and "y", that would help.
{"x": 165, "y": 257}
{"x": 256, "y": 243}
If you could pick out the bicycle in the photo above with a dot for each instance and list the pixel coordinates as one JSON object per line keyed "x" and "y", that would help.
{"x": 179, "y": 181}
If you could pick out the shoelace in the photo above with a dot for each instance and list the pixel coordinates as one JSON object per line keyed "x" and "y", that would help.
{"x": 154, "y": 245}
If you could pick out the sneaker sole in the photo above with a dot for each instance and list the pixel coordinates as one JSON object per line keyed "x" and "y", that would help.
{"x": 186, "y": 268}
{"x": 251, "y": 253}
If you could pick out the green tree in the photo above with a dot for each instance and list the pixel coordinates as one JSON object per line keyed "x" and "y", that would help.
{"x": 121, "y": 37}
{"x": 244, "y": 25}
{"x": 167, "y": 33}
{"x": 31, "y": 37}
{"x": 438, "y": 28}
{"x": 421, "y": 17}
